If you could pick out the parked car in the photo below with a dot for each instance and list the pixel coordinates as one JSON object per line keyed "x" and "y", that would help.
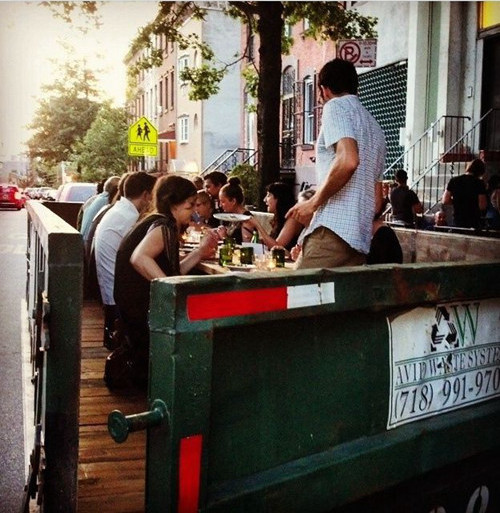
{"x": 76, "y": 191}
{"x": 11, "y": 196}
{"x": 50, "y": 194}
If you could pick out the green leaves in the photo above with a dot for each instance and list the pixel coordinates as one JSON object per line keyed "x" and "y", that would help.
{"x": 103, "y": 150}
{"x": 204, "y": 81}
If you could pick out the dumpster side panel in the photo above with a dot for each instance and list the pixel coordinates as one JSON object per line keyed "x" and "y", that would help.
{"x": 281, "y": 391}
{"x": 283, "y": 405}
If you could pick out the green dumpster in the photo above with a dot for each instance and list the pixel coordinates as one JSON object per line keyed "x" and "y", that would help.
{"x": 357, "y": 389}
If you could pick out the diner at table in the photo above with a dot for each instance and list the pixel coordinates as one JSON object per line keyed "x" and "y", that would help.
{"x": 279, "y": 199}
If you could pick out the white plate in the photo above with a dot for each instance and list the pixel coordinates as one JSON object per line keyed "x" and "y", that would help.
{"x": 232, "y": 217}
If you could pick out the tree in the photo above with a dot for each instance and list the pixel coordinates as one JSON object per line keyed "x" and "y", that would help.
{"x": 103, "y": 151}
{"x": 327, "y": 20}
{"x": 64, "y": 116}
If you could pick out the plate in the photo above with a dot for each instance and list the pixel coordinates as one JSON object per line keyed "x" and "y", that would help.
{"x": 232, "y": 217}
{"x": 241, "y": 267}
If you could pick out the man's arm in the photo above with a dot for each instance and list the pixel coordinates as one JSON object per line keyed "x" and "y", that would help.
{"x": 447, "y": 198}
{"x": 344, "y": 164}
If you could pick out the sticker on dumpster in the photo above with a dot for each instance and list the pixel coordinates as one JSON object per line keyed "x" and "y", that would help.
{"x": 443, "y": 358}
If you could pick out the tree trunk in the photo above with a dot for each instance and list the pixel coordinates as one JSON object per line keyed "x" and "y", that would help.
{"x": 270, "y": 28}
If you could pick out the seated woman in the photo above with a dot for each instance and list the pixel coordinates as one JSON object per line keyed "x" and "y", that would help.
{"x": 203, "y": 212}
{"x": 232, "y": 201}
{"x": 279, "y": 199}
{"x": 151, "y": 250}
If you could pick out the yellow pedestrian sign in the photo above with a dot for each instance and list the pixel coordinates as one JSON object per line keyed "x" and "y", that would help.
{"x": 142, "y": 139}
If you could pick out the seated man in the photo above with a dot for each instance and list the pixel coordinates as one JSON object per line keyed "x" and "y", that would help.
{"x": 405, "y": 203}
{"x": 109, "y": 233}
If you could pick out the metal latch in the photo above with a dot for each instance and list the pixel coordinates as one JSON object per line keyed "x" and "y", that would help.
{"x": 119, "y": 425}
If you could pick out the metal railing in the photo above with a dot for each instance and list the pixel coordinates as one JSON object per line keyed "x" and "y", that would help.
{"x": 431, "y": 183}
{"x": 231, "y": 158}
{"x": 54, "y": 298}
{"x": 426, "y": 150}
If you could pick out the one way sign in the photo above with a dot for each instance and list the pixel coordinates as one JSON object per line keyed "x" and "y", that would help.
{"x": 361, "y": 52}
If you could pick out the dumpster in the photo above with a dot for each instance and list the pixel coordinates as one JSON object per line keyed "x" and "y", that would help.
{"x": 355, "y": 389}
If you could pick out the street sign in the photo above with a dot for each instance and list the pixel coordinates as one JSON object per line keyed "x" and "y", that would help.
{"x": 142, "y": 139}
{"x": 361, "y": 52}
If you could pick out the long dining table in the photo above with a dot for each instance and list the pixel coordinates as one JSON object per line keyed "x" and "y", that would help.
{"x": 213, "y": 267}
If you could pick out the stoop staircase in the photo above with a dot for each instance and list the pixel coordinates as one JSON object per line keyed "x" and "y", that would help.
{"x": 231, "y": 158}
{"x": 444, "y": 150}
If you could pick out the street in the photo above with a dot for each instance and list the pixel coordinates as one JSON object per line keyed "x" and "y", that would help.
{"x": 14, "y": 324}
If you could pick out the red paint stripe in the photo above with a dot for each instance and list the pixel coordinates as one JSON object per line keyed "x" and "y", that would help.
{"x": 189, "y": 474}
{"x": 229, "y": 304}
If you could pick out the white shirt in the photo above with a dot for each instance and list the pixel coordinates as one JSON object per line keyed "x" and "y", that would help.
{"x": 349, "y": 213}
{"x": 109, "y": 233}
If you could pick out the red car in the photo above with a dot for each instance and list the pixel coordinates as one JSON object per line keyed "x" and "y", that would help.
{"x": 11, "y": 196}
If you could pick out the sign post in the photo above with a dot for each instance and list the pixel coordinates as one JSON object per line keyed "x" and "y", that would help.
{"x": 361, "y": 52}
{"x": 142, "y": 139}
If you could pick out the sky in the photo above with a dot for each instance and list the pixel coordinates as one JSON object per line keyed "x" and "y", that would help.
{"x": 29, "y": 36}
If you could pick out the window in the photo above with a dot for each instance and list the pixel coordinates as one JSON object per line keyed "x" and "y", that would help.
{"x": 308, "y": 111}
{"x": 160, "y": 96}
{"x": 183, "y": 129}
{"x": 156, "y": 105}
{"x": 182, "y": 64}
{"x": 172, "y": 89}
{"x": 288, "y": 139}
{"x": 165, "y": 104}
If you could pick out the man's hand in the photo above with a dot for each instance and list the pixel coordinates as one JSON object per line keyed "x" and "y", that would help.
{"x": 302, "y": 212}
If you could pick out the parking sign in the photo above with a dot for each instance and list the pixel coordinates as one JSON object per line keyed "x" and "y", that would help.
{"x": 361, "y": 52}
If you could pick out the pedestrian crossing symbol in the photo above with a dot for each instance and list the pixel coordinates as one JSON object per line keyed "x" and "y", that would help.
{"x": 142, "y": 139}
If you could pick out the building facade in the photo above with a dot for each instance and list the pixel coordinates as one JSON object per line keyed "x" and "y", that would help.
{"x": 434, "y": 88}
{"x": 191, "y": 134}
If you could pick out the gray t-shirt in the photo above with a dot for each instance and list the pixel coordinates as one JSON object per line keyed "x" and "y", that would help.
{"x": 349, "y": 213}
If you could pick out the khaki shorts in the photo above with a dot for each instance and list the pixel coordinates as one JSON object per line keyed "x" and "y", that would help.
{"x": 324, "y": 248}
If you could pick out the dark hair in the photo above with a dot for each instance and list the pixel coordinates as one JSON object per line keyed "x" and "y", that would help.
{"x": 476, "y": 168}
{"x": 233, "y": 190}
{"x": 339, "y": 76}
{"x": 216, "y": 177}
{"x": 284, "y": 202}
{"x": 172, "y": 190}
{"x": 401, "y": 175}
{"x": 137, "y": 183}
{"x": 494, "y": 182}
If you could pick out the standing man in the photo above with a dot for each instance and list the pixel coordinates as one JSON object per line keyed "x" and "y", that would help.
{"x": 350, "y": 160}
{"x": 467, "y": 194}
{"x": 116, "y": 222}
{"x": 405, "y": 203}
{"x": 213, "y": 183}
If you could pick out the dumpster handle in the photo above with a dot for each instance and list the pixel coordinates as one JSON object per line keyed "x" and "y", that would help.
{"x": 120, "y": 425}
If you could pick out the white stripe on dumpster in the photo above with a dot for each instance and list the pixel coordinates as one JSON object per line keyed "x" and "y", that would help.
{"x": 219, "y": 305}
{"x": 300, "y": 296}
